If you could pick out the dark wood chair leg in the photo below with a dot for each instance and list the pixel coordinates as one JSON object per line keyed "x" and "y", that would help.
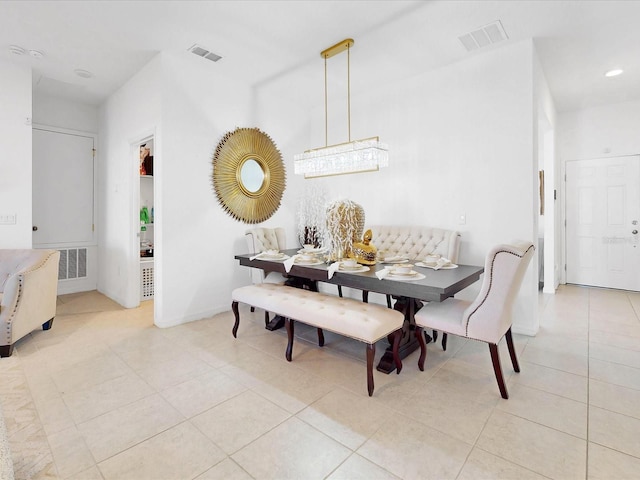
{"x": 423, "y": 347}
{"x": 340, "y": 291}
{"x": 512, "y": 351}
{"x": 497, "y": 368}
{"x": 365, "y": 296}
{"x": 288, "y": 324}
{"x": 444, "y": 341}
{"x": 389, "y": 301}
{"x": 253, "y": 309}
{"x": 6, "y": 351}
{"x": 266, "y": 318}
{"x": 371, "y": 353}
{"x": 47, "y": 325}
{"x": 397, "y": 335}
{"x": 320, "y": 337}
{"x": 234, "y": 307}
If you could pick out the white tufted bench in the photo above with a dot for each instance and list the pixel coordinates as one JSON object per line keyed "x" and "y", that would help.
{"x": 416, "y": 242}
{"x": 365, "y": 322}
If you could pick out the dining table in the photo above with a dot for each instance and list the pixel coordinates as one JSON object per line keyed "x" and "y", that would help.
{"x": 410, "y": 292}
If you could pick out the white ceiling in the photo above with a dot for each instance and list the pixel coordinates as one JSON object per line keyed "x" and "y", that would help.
{"x": 577, "y": 41}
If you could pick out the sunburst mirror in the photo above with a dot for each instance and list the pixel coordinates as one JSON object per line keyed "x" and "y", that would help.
{"x": 248, "y": 175}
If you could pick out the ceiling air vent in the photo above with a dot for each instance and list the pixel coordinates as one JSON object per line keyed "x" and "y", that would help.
{"x": 204, "y": 53}
{"x": 483, "y": 36}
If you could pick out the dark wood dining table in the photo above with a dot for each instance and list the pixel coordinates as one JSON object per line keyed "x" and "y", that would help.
{"x": 409, "y": 295}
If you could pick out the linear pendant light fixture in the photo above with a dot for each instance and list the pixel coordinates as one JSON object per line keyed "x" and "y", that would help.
{"x": 366, "y": 155}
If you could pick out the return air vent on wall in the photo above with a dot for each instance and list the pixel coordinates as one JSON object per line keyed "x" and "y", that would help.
{"x": 204, "y": 53}
{"x": 483, "y": 36}
{"x": 73, "y": 263}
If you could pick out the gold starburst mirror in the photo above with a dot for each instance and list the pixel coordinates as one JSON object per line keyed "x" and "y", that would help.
{"x": 248, "y": 175}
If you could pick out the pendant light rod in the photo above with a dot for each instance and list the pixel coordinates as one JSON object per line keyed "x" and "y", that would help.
{"x": 339, "y": 47}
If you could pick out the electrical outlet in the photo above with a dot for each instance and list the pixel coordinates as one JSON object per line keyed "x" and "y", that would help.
{"x": 7, "y": 218}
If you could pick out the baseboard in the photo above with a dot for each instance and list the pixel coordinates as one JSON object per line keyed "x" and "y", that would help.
{"x": 172, "y": 322}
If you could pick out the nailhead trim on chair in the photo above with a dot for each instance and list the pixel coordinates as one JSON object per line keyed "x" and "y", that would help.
{"x": 466, "y": 327}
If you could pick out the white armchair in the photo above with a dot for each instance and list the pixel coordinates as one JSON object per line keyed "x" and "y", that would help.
{"x": 488, "y": 318}
{"x": 28, "y": 293}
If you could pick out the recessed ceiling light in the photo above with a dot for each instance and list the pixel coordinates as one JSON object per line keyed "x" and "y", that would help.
{"x": 614, "y": 73}
{"x": 83, "y": 73}
{"x": 36, "y": 54}
{"x": 16, "y": 50}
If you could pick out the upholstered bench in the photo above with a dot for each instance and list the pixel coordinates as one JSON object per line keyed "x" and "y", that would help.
{"x": 365, "y": 322}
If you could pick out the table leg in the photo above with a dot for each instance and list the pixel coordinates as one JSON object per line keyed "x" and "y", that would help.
{"x": 408, "y": 342}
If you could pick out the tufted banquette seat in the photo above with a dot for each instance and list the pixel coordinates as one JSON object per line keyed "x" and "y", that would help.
{"x": 365, "y": 322}
{"x": 416, "y": 241}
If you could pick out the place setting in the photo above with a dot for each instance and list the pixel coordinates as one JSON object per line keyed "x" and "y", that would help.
{"x": 391, "y": 259}
{"x": 270, "y": 255}
{"x": 436, "y": 262}
{"x": 401, "y": 272}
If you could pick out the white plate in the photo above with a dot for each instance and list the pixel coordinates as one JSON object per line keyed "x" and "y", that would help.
{"x": 297, "y": 261}
{"x": 358, "y": 269}
{"x": 313, "y": 250}
{"x": 269, "y": 256}
{"x": 394, "y": 261}
{"x": 400, "y": 274}
{"x": 433, "y": 267}
{"x": 405, "y": 278}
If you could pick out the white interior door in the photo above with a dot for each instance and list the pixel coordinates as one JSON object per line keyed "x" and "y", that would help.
{"x": 603, "y": 215}
{"x": 64, "y": 205}
{"x": 62, "y": 188}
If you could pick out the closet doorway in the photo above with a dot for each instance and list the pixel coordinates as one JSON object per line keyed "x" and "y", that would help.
{"x": 146, "y": 213}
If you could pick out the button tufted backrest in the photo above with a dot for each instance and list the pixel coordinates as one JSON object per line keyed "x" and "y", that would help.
{"x": 261, "y": 239}
{"x": 416, "y": 242}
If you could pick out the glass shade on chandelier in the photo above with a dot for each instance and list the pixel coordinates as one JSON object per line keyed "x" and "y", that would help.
{"x": 367, "y": 155}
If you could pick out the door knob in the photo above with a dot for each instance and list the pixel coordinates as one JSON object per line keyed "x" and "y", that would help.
{"x": 635, "y": 232}
{"x": 34, "y": 228}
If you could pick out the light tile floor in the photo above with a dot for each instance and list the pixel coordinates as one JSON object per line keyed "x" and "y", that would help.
{"x": 106, "y": 395}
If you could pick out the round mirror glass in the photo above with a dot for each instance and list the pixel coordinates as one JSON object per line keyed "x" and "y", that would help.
{"x": 251, "y": 175}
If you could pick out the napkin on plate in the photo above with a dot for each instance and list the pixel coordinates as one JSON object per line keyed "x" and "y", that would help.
{"x": 255, "y": 256}
{"x": 441, "y": 262}
{"x": 333, "y": 268}
{"x": 383, "y": 273}
{"x": 288, "y": 263}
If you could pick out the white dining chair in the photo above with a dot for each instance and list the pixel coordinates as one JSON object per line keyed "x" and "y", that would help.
{"x": 260, "y": 239}
{"x": 488, "y": 318}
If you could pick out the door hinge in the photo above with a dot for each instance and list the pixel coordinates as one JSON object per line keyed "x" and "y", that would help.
{"x": 93, "y": 152}
{"x": 93, "y": 227}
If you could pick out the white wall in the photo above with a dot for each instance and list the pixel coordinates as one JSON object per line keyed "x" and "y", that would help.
{"x": 129, "y": 115}
{"x": 598, "y": 132}
{"x": 195, "y": 238}
{"x": 15, "y": 155}
{"x": 63, "y": 113}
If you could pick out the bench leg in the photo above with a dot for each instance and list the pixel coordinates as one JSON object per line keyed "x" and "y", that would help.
{"x": 397, "y": 335}
{"x": 320, "y": 337}
{"x": 288, "y": 323}
{"x": 266, "y": 318}
{"x": 423, "y": 347}
{"x": 234, "y": 307}
{"x": 371, "y": 352}
{"x": 365, "y": 296}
